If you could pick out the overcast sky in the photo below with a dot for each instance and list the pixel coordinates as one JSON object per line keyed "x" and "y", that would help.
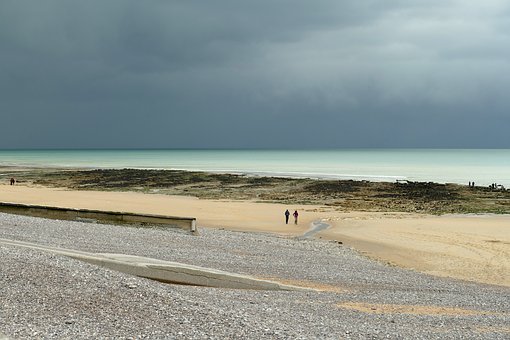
{"x": 248, "y": 74}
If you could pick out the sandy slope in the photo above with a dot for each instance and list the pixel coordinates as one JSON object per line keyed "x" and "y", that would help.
{"x": 467, "y": 247}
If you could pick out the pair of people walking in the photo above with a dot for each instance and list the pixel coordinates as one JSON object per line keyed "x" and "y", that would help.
{"x": 287, "y": 214}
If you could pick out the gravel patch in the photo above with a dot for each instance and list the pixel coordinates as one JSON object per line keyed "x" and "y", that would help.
{"x": 49, "y": 296}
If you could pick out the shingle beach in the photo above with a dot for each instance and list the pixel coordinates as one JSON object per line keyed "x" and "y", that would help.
{"x": 50, "y": 296}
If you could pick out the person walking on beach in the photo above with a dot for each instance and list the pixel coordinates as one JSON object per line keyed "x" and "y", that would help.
{"x": 295, "y": 214}
{"x": 287, "y": 214}
{"x": 13, "y": 181}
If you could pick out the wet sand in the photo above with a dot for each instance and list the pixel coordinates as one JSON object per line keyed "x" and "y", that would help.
{"x": 468, "y": 247}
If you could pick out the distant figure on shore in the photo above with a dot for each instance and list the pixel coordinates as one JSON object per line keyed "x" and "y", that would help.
{"x": 287, "y": 214}
{"x": 295, "y": 214}
{"x": 13, "y": 181}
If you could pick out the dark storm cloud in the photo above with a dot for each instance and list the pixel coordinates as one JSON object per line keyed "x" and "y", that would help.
{"x": 254, "y": 74}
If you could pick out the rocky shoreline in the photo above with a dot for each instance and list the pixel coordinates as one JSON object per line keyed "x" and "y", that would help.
{"x": 48, "y": 296}
{"x": 343, "y": 195}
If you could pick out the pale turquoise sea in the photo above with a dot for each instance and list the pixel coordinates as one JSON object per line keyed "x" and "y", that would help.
{"x": 437, "y": 165}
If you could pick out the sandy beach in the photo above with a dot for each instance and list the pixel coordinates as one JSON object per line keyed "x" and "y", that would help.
{"x": 468, "y": 247}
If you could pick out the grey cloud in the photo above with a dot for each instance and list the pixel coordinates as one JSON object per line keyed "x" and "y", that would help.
{"x": 303, "y": 74}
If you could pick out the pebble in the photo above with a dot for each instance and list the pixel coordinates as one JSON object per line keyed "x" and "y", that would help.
{"x": 54, "y": 297}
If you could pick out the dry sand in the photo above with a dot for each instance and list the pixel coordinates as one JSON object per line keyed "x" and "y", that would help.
{"x": 468, "y": 247}
{"x": 475, "y": 248}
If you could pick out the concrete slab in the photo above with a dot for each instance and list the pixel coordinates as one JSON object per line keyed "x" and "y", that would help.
{"x": 164, "y": 271}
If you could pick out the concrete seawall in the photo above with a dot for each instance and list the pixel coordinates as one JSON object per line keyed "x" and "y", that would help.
{"x": 98, "y": 216}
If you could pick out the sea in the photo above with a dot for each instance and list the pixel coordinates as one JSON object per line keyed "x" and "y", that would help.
{"x": 481, "y": 166}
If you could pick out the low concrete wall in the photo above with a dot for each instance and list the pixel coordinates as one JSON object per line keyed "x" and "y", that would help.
{"x": 85, "y": 215}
